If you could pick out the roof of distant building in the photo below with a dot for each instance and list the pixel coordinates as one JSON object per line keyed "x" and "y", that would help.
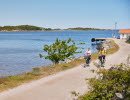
{"x": 124, "y": 31}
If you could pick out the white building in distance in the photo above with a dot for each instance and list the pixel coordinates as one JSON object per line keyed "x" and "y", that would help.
{"x": 124, "y": 33}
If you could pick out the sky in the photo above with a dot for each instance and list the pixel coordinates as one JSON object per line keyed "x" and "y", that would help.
{"x": 66, "y": 13}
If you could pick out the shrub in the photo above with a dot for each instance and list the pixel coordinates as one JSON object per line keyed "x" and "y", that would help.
{"x": 60, "y": 50}
{"x": 109, "y": 82}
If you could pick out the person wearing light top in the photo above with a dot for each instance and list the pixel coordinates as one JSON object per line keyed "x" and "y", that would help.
{"x": 88, "y": 56}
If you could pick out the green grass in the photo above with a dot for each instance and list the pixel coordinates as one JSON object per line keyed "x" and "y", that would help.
{"x": 128, "y": 42}
{"x": 37, "y": 73}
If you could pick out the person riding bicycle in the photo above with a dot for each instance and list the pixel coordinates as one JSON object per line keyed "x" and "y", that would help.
{"x": 102, "y": 54}
{"x": 88, "y": 56}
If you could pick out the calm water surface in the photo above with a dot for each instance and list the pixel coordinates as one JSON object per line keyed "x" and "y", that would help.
{"x": 19, "y": 51}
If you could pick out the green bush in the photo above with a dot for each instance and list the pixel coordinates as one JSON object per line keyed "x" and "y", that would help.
{"x": 60, "y": 50}
{"x": 111, "y": 81}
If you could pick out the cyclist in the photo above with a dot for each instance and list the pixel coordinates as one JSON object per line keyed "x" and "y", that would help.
{"x": 102, "y": 56}
{"x": 88, "y": 56}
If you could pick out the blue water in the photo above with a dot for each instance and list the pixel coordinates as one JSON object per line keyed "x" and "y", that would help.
{"x": 19, "y": 51}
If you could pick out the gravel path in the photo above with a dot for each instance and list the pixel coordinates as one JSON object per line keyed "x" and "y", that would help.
{"x": 59, "y": 86}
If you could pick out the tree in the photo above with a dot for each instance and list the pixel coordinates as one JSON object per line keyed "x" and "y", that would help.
{"x": 60, "y": 50}
{"x": 21, "y": 27}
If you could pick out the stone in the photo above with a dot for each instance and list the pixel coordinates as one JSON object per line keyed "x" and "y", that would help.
{"x": 119, "y": 96}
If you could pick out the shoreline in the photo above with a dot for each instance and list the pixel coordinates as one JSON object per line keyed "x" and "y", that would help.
{"x": 56, "y": 30}
{"x": 66, "y": 61}
{"x": 61, "y": 85}
{"x": 42, "y": 72}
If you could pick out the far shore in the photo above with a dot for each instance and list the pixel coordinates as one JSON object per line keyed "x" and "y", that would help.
{"x": 21, "y": 28}
{"x": 55, "y": 30}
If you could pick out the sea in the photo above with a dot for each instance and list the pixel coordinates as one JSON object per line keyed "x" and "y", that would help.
{"x": 19, "y": 51}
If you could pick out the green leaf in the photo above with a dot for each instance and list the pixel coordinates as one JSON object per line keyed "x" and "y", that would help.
{"x": 60, "y": 50}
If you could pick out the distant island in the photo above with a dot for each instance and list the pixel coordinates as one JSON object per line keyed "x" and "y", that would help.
{"x": 36, "y": 28}
{"x": 20, "y": 28}
{"x": 83, "y": 29}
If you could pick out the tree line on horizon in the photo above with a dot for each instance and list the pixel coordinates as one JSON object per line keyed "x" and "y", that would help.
{"x": 20, "y": 28}
{"x": 80, "y": 28}
{"x": 36, "y": 28}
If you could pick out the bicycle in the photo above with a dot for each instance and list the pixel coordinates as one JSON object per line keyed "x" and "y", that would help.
{"x": 87, "y": 58}
{"x": 101, "y": 61}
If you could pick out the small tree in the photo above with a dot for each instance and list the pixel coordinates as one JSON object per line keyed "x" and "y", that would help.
{"x": 60, "y": 50}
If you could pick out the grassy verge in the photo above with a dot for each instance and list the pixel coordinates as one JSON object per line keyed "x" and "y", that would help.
{"x": 37, "y": 73}
{"x": 128, "y": 41}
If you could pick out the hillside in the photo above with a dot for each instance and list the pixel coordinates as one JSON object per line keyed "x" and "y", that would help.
{"x": 36, "y": 28}
{"x": 20, "y": 28}
{"x": 80, "y": 28}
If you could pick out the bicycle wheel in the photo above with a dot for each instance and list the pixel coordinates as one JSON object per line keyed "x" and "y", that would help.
{"x": 102, "y": 62}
